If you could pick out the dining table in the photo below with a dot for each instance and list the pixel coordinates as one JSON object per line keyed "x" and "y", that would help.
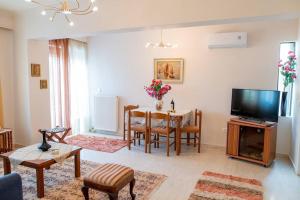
{"x": 179, "y": 118}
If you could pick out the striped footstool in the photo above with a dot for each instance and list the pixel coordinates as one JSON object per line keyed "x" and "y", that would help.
{"x": 109, "y": 178}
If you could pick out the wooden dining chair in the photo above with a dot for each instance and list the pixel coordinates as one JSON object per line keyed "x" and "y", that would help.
{"x": 137, "y": 128}
{"x": 163, "y": 129}
{"x": 196, "y": 129}
{"x": 126, "y": 109}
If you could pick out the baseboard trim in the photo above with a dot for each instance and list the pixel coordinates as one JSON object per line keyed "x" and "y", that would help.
{"x": 17, "y": 146}
{"x": 294, "y": 165}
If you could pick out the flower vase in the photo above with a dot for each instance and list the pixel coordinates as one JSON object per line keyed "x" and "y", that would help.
{"x": 158, "y": 104}
{"x": 44, "y": 146}
{"x": 283, "y": 104}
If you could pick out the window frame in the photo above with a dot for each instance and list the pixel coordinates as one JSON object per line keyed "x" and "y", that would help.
{"x": 289, "y": 111}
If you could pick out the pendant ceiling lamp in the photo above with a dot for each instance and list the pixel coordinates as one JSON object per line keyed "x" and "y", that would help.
{"x": 161, "y": 44}
{"x": 66, "y": 8}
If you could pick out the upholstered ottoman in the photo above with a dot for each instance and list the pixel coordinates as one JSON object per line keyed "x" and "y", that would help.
{"x": 109, "y": 178}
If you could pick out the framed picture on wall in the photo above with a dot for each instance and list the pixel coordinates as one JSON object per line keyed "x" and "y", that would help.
{"x": 169, "y": 70}
{"x": 43, "y": 84}
{"x": 35, "y": 70}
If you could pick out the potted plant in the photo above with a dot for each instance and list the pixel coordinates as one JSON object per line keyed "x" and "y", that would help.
{"x": 288, "y": 72}
{"x": 157, "y": 90}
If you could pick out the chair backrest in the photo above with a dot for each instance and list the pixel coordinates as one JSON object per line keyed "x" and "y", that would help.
{"x": 198, "y": 118}
{"x": 130, "y": 107}
{"x": 139, "y": 114}
{"x": 126, "y": 109}
{"x": 160, "y": 116}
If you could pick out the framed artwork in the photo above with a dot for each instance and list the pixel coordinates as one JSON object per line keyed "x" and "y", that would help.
{"x": 43, "y": 84}
{"x": 169, "y": 70}
{"x": 35, "y": 70}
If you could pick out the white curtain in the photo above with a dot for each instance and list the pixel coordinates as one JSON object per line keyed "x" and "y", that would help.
{"x": 59, "y": 82}
{"x": 79, "y": 97}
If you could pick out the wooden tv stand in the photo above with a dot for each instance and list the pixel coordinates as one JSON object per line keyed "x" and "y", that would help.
{"x": 250, "y": 141}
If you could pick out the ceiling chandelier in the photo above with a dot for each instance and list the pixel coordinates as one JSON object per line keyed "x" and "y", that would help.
{"x": 161, "y": 44}
{"x": 66, "y": 8}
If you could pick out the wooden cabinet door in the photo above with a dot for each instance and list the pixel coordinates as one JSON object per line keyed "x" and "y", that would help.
{"x": 232, "y": 139}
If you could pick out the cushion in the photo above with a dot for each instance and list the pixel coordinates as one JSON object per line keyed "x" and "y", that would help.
{"x": 138, "y": 128}
{"x": 109, "y": 176}
{"x": 190, "y": 129}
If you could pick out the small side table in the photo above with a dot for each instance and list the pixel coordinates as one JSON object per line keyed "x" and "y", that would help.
{"x": 56, "y": 134}
{"x": 6, "y": 143}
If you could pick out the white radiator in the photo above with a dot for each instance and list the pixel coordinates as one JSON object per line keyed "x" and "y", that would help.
{"x": 105, "y": 113}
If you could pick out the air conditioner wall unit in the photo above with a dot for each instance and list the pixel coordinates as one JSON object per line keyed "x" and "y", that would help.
{"x": 228, "y": 40}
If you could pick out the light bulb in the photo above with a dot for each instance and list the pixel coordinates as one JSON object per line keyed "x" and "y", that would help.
{"x": 95, "y": 8}
{"x": 51, "y": 19}
{"x": 71, "y": 23}
{"x": 92, "y": 1}
{"x": 28, "y": 0}
{"x": 67, "y": 12}
{"x": 43, "y": 12}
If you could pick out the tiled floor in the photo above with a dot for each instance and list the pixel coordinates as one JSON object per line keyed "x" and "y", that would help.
{"x": 280, "y": 181}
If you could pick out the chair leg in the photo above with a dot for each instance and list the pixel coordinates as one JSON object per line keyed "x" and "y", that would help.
{"x": 132, "y": 183}
{"x": 195, "y": 138}
{"x": 175, "y": 141}
{"x": 145, "y": 135}
{"x": 129, "y": 140}
{"x": 124, "y": 138}
{"x": 157, "y": 141}
{"x": 150, "y": 141}
{"x": 168, "y": 145}
{"x": 188, "y": 138}
{"x": 134, "y": 136}
{"x": 113, "y": 196}
{"x": 85, "y": 192}
{"x": 199, "y": 142}
{"x": 139, "y": 138}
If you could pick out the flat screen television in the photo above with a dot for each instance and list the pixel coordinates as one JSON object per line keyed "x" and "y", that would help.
{"x": 262, "y": 105}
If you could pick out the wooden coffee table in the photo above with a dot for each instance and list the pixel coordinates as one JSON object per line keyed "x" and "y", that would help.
{"x": 40, "y": 165}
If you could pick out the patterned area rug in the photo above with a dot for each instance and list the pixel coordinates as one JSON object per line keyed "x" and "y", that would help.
{"x": 213, "y": 186}
{"x": 97, "y": 143}
{"x": 60, "y": 183}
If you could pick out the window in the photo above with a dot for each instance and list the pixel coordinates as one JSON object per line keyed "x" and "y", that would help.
{"x": 285, "y": 47}
{"x": 69, "y": 84}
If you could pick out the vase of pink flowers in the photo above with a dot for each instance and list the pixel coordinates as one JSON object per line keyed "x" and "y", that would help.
{"x": 157, "y": 90}
{"x": 288, "y": 72}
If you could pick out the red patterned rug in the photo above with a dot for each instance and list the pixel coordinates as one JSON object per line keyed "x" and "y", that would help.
{"x": 214, "y": 186}
{"x": 97, "y": 143}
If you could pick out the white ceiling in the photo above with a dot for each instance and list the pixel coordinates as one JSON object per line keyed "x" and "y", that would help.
{"x": 17, "y": 5}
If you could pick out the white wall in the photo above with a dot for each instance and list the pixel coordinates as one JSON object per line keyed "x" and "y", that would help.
{"x": 6, "y": 19}
{"x": 298, "y": 105}
{"x": 38, "y": 53}
{"x": 295, "y": 137}
{"x": 121, "y": 65}
{"x": 6, "y": 75}
{"x": 21, "y": 85}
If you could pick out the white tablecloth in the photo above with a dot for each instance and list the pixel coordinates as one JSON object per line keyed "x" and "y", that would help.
{"x": 58, "y": 151}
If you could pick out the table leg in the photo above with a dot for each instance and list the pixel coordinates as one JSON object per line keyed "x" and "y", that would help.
{"x": 40, "y": 182}
{"x": 6, "y": 166}
{"x": 77, "y": 164}
{"x": 178, "y": 135}
{"x": 10, "y": 141}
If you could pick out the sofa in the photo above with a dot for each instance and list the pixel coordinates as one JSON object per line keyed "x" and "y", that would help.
{"x": 11, "y": 187}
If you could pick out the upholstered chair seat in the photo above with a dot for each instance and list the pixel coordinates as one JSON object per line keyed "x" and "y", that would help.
{"x": 109, "y": 178}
